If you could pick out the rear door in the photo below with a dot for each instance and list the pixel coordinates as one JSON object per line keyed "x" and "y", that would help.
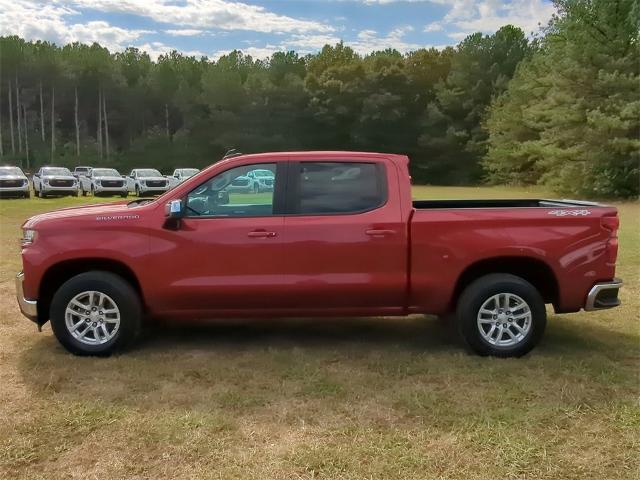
{"x": 344, "y": 240}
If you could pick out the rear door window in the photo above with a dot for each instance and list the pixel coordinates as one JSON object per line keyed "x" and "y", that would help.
{"x": 336, "y": 187}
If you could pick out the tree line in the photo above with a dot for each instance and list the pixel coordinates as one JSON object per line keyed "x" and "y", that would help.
{"x": 560, "y": 110}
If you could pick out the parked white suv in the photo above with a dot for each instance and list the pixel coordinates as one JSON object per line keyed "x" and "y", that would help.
{"x": 147, "y": 181}
{"x": 14, "y": 182}
{"x": 180, "y": 175}
{"x": 54, "y": 181}
{"x": 103, "y": 181}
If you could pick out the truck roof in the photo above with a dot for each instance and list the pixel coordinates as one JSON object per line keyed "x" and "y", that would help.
{"x": 320, "y": 154}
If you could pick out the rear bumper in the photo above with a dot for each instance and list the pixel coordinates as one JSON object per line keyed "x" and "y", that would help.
{"x": 603, "y": 295}
{"x": 29, "y": 308}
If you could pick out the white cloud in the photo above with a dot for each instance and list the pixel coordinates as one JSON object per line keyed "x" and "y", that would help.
{"x": 468, "y": 16}
{"x": 221, "y": 14}
{"x": 434, "y": 27}
{"x": 155, "y": 49}
{"x": 34, "y": 21}
{"x": 184, "y": 32}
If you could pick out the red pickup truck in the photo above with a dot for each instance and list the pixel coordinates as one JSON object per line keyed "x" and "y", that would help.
{"x": 330, "y": 234}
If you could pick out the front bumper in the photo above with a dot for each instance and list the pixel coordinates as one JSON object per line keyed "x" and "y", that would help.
{"x": 113, "y": 190}
{"x": 603, "y": 295}
{"x": 153, "y": 190}
{"x": 14, "y": 190}
{"x": 49, "y": 190}
{"x": 29, "y": 308}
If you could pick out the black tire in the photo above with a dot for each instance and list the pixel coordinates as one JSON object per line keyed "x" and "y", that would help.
{"x": 137, "y": 191}
{"x": 256, "y": 188}
{"x": 93, "y": 191}
{"x": 41, "y": 194}
{"x": 123, "y": 295}
{"x": 27, "y": 194}
{"x": 480, "y": 291}
{"x": 124, "y": 195}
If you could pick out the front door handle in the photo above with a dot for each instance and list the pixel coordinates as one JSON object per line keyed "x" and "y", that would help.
{"x": 379, "y": 232}
{"x": 261, "y": 234}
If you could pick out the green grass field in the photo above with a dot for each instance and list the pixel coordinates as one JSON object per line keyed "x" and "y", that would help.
{"x": 376, "y": 398}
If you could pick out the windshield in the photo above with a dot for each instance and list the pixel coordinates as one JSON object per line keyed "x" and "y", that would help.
{"x": 149, "y": 172}
{"x": 11, "y": 171}
{"x": 189, "y": 172}
{"x": 56, "y": 171}
{"x": 105, "y": 172}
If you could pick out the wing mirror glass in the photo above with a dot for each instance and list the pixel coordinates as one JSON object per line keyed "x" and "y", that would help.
{"x": 174, "y": 209}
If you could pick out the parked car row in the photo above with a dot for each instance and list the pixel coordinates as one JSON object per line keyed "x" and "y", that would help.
{"x": 86, "y": 180}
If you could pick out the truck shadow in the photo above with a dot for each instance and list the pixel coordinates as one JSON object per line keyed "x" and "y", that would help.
{"x": 254, "y": 363}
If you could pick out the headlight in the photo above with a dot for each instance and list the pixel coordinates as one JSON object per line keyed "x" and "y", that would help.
{"x": 28, "y": 237}
{"x": 98, "y": 183}
{"x": 45, "y": 181}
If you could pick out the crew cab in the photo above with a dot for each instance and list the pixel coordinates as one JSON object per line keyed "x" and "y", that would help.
{"x": 146, "y": 181}
{"x": 180, "y": 175}
{"x": 13, "y": 182}
{"x": 54, "y": 181}
{"x": 339, "y": 235}
{"x": 103, "y": 181}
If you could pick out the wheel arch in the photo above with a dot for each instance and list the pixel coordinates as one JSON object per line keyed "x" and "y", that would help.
{"x": 59, "y": 273}
{"x": 535, "y": 271}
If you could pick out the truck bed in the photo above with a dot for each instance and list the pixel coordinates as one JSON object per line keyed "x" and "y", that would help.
{"x": 507, "y": 203}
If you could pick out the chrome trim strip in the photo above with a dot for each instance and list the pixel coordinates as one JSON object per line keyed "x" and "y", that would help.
{"x": 614, "y": 284}
{"x": 29, "y": 308}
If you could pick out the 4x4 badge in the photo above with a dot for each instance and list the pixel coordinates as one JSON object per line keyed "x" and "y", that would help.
{"x": 565, "y": 213}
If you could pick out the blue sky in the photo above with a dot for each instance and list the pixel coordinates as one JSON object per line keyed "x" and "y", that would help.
{"x": 261, "y": 27}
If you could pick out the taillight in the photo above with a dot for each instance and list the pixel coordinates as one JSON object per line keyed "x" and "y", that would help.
{"x": 611, "y": 224}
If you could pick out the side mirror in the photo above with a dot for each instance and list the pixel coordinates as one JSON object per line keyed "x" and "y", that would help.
{"x": 174, "y": 209}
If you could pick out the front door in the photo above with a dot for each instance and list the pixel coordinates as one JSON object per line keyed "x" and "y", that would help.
{"x": 227, "y": 253}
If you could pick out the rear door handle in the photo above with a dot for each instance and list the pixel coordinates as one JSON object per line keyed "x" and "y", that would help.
{"x": 261, "y": 234}
{"x": 379, "y": 232}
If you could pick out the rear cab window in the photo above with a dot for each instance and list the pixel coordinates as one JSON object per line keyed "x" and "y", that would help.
{"x": 335, "y": 187}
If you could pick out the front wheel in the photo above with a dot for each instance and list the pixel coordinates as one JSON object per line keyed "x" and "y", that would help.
{"x": 95, "y": 313}
{"x": 501, "y": 315}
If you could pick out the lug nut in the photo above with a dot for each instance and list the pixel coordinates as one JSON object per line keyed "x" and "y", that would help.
{"x": 504, "y": 325}
{"x": 495, "y": 316}
{"x": 95, "y": 324}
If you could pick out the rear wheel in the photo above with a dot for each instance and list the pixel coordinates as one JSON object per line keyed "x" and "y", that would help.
{"x": 501, "y": 315}
{"x": 95, "y": 313}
